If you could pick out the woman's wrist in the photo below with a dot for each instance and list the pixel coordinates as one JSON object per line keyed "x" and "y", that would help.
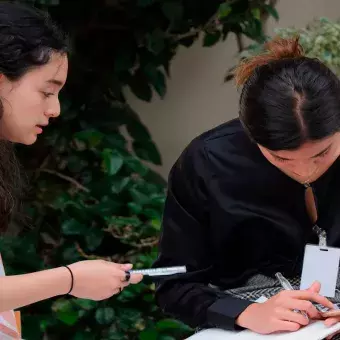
{"x": 242, "y": 319}
{"x": 65, "y": 280}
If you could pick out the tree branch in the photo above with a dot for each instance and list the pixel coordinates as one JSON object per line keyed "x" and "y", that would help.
{"x": 127, "y": 234}
{"x": 66, "y": 178}
{"x": 90, "y": 257}
{"x": 196, "y": 30}
{"x": 240, "y": 43}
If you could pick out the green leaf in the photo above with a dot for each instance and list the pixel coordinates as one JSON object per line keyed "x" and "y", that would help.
{"x": 167, "y": 324}
{"x": 105, "y": 316}
{"x": 139, "y": 197}
{"x": 83, "y": 335}
{"x": 157, "y": 79}
{"x": 147, "y": 151}
{"x": 152, "y": 213}
{"x": 124, "y": 60}
{"x": 46, "y": 323}
{"x": 119, "y": 185}
{"x": 85, "y": 303}
{"x": 62, "y": 201}
{"x": 92, "y": 137}
{"x": 68, "y": 318}
{"x": 148, "y": 335}
{"x": 135, "y": 208}
{"x": 107, "y": 207}
{"x": 253, "y": 30}
{"x": 76, "y": 163}
{"x": 138, "y": 131}
{"x": 155, "y": 42}
{"x": 137, "y": 166}
{"x": 211, "y": 39}
{"x": 115, "y": 141}
{"x": 112, "y": 161}
{"x": 32, "y": 330}
{"x": 155, "y": 223}
{"x": 256, "y": 13}
{"x": 172, "y": 10}
{"x": 65, "y": 311}
{"x": 70, "y": 254}
{"x": 123, "y": 221}
{"x": 272, "y": 11}
{"x": 115, "y": 335}
{"x": 140, "y": 86}
{"x": 224, "y": 10}
{"x": 73, "y": 227}
{"x": 94, "y": 238}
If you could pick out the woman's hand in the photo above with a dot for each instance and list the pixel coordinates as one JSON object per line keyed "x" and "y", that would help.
{"x": 277, "y": 314}
{"x": 331, "y": 321}
{"x": 98, "y": 279}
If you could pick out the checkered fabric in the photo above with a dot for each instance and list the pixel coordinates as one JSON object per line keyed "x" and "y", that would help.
{"x": 261, "y": 285}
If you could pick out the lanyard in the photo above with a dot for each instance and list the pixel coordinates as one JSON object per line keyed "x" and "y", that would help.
{"x": 313, "y": 214}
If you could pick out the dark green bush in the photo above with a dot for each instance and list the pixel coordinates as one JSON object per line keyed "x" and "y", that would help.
{"x": 92, "y": 193}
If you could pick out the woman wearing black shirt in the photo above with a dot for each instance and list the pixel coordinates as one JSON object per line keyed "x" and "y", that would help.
{"x": 243, "y": 199}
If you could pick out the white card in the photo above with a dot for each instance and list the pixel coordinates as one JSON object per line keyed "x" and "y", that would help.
{"x": 321, "y": 264}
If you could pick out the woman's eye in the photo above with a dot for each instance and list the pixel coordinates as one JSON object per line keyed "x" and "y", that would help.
{"x": 48, "y": 94}
{"x": 281, "y": 159}
{"x": 324, "y": 154}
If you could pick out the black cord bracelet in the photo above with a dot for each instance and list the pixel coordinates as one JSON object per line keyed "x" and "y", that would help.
{"x": 72, "y": 279}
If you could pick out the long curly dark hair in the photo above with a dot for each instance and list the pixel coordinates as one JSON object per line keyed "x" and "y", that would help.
{"x": 28, "y": 37}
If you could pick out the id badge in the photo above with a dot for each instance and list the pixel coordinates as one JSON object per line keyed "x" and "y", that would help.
{"x": 320, "y": 264}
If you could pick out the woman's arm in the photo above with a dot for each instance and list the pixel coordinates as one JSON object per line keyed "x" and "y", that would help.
{"x": 92, "y": 279}
{"x": 21, "y": 290}
{"x": 185, "y": 241}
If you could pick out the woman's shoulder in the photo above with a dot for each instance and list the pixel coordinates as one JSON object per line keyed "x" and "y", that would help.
{"x": 228, "y": 142}
{"x": 224, "y": 149}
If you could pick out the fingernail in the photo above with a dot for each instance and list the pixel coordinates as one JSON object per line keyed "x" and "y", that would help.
{"x": 330, "y": 322}
{"x": 127, "y": 266}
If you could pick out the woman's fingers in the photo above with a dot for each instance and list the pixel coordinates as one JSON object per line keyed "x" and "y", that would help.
{"x": 287, "y": 326}
{"x": 331, "y": 321}
{"x": 126, "y": 266}
{"x": 303, "y": 305}
{"x": 311, "y": 296}
{"x": 315, "y": 287}
{"x": 289, "y": 315}
{"x": 136, "y": 278}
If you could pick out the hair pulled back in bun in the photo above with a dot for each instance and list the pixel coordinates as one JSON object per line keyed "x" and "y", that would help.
{"x": 276, "y": 49}
{"x": 287, "y": 98}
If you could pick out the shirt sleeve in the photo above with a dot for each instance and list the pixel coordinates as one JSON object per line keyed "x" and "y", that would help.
{"x": 185, "y": 241}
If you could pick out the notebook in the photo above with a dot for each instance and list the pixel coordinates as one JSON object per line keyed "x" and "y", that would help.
{"x": 314, "y": 331}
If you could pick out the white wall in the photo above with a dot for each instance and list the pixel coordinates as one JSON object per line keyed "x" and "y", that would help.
{"x": 197, "y": 98}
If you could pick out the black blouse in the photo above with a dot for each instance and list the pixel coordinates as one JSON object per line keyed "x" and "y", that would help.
{"x": 230, "y": 214}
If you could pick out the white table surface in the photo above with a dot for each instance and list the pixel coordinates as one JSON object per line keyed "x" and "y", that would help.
{"x": 212, "y": 334}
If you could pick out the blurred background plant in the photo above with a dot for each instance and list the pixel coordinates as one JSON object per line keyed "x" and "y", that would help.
{"x": 320, "y": 39}
{"x": 93, "y": 193}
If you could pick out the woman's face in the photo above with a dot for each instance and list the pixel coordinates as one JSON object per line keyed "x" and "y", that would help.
{"x": 308, "y": 162}
{"x": 30, "y": 102}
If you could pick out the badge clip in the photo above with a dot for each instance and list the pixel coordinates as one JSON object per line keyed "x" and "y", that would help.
{"x": 322, "y": 236}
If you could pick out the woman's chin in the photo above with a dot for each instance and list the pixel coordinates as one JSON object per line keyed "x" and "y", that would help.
{"x": 29, "y": 140}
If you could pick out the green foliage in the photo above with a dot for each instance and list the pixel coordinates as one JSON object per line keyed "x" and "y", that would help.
{"x": 319, "y": 40}
{"x": 93, "y": 193}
